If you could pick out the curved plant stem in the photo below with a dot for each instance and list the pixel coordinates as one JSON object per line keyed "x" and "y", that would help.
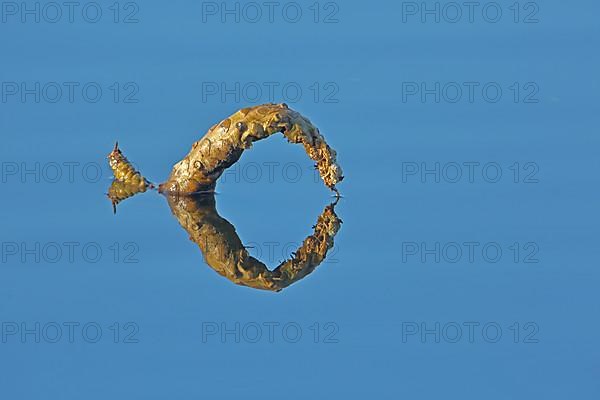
{"x": 225, "y": 142}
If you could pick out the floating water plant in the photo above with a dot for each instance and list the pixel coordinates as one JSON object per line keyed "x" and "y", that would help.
{"x": 191, "y": 184}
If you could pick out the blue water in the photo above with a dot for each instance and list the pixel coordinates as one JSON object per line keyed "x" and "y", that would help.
{"x": 446, "y": 278}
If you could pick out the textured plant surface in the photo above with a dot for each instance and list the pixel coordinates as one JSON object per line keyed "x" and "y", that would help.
{"x": 224, "y": 252}
{"x": 225, "y": 142}
{"x": 119, "y": 191}
{"x": 124, "y": 172}
{"x": 128, "y": 181}
{"x": 198, "y": 172}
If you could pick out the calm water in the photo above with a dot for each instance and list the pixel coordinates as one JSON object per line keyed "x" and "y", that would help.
{"x": 466, "y": 264}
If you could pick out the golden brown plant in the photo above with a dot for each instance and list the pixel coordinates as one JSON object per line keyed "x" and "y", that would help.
{"x": 125, "y": 172}
{"x": 224, "y": 252}
{"x": 225, "y": 142}
{"x": 198, "y": 172}
{"x": 119, "y": 191}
